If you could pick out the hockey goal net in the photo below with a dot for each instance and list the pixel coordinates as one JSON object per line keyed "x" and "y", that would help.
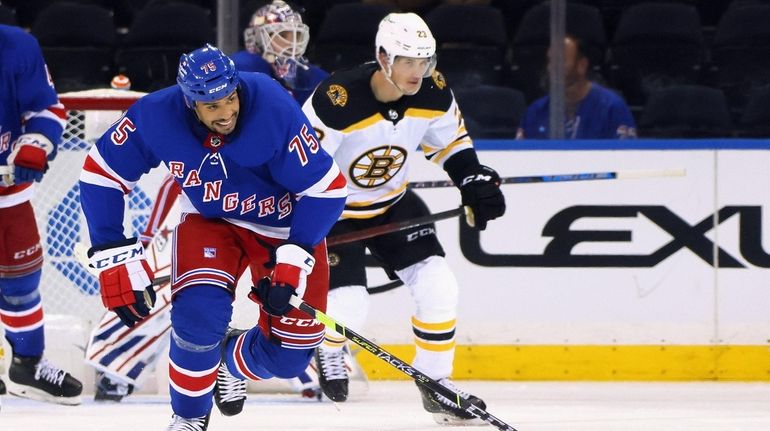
{"x": 67, "y": 288}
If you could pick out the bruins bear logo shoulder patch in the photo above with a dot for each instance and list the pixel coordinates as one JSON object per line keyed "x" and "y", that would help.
{"x": 338, "y": 95}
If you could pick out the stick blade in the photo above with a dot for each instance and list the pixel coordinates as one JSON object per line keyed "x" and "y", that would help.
{"x": 650, "y": 173}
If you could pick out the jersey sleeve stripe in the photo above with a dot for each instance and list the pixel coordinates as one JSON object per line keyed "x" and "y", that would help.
{"x": 459, "y": 144}
{"x": 332, "y": 185}
{"x": 97, "y": 167}
{"x": 56, "y": 113}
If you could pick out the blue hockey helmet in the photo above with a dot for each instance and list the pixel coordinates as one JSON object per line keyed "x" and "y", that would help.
{"x": 206, "y": 75}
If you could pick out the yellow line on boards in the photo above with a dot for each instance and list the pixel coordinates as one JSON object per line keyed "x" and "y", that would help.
{"x": 592, "y": 362}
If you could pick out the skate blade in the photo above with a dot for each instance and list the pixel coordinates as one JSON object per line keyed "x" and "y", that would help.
{"x": 40, "y": 395}
{"x": 452, "y": 420}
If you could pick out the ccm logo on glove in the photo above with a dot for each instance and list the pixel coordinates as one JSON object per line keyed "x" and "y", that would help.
{"x": 123, "y": 256}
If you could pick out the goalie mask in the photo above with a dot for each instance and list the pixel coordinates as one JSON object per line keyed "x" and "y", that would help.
{"x": 206, "y": 75}
{"x": 406, "y": 35}
{"x": 277, "y": 33}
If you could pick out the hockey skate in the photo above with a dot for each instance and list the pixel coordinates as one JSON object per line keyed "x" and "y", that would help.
{"x": 446, "y": 412}
{"x": 332, "y": 373}
{"x": 38, "y": 379}
{"x": 229, "y": 391}
{"x": 108, "y": 389}
{"x": 179, "y": 423}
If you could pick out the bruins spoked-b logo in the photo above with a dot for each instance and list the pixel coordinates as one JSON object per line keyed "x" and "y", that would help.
{"x": 377, "y": 166}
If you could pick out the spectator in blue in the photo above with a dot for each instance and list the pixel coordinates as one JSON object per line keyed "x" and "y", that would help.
{"x": 591, "y": 111}
{"x": 276, "y": 40}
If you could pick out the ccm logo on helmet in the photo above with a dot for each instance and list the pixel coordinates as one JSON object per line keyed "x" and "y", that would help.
{"x": 121, "y": 257}
{"x": 215, "y": 89}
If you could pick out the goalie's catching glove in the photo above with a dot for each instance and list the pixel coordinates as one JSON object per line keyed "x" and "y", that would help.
{"x": 30, "y": 156}
{"x": 292, "y": 266}
{"x": 480, "y": 191}
{"x": 125, "y": 279}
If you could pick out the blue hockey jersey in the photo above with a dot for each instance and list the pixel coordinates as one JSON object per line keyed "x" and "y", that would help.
{"x": 269, "y": 175}
{"x": 28, "y": 101}
{"x": 301, "y": 87}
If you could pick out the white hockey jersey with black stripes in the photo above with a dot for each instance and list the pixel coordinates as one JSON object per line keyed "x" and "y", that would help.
{"x": 373, "y": 142}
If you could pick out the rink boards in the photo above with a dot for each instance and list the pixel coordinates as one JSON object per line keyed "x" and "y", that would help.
{"x": 607, "y": 280}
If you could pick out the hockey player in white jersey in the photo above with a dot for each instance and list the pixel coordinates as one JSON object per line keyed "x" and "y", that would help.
{"x": 372, "y": 118}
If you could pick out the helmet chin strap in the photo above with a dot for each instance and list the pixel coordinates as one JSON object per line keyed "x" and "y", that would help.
{"x": 387, "y": 71}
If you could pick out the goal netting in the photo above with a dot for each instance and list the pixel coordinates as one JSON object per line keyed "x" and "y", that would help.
{"x": 67, "y": 288}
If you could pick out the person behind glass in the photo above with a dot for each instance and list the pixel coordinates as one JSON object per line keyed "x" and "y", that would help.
{"x": 276, "y": 40}
{"x": 591, "y": 111}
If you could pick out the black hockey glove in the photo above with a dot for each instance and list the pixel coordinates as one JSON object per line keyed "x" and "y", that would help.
{"x": 480, "y": 191}
{"x": 273, "y": 297}
{"x": 292, "y": 265}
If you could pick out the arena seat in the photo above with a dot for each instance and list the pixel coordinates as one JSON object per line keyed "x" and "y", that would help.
{"x": 470, "y": 43}
{"x": 532, "y": 39}
{"x": 646, "y": 57}
{"x": 491, "y": 112}
{"x": 346, "y": 36}
{"x": 741, "y": 52}
{"x": 686, "y": 111}
{"x": 78, "y": 43}
{"x": 159, "y": 35}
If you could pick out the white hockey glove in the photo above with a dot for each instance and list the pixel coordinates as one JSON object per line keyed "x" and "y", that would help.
{"x": 292, "y": 266}
{"x": 29, "y": 157}
{"x": 125, "y": 279}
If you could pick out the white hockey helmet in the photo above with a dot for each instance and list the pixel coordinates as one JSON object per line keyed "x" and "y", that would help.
{"x": 407, "y": 35}
{"x": 277, "y": 32}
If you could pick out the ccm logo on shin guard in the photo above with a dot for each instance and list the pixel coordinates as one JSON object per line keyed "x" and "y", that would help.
{"x": 299, "y": 322}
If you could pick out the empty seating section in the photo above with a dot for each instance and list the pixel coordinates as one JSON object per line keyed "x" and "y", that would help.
{"x": 703, "y": 64}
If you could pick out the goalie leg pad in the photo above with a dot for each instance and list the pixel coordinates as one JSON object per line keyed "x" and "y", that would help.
{"x": 21, "y": 312}
{"x": 435, "y": 292}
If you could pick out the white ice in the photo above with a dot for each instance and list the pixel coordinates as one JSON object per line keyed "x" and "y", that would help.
{"x": 395, "y": 406}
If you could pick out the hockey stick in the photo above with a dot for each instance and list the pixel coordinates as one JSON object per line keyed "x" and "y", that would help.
{"x": 400, "y": 365}
{"x": 419, "y": 221}
{"x": 585, "y": 176}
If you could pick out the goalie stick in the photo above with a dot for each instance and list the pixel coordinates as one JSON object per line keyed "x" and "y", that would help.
{"x": 400, "y": 365}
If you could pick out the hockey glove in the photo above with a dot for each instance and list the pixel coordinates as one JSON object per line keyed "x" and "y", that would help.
{"x": 292, "y": 266}
{"x": 29, "y": 157}
{"x": 480, "y": 191}
{"x": 125, "y": 279}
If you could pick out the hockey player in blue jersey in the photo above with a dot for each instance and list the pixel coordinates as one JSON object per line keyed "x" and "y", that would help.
{"x": 276, "y": 40}
{"x": 258, "y": 192}
{"x": 31, "y": 125}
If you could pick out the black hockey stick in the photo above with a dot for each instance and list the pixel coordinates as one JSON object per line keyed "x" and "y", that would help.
{"x": 585, "y": 176}
{"x": 400, "y": 365}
